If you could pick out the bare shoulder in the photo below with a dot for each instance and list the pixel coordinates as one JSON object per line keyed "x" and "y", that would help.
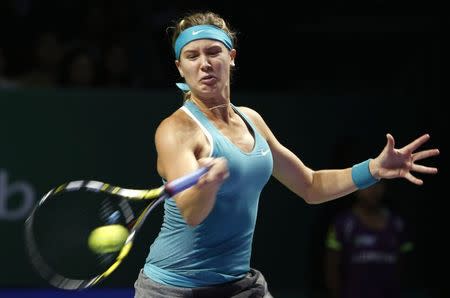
{"x": 178, "y": 140}
{"x": 254, "y": 115}
{"x": 176, "y": 129}
{"x": 177, "y": 121}
{"x": 256, "y": 118}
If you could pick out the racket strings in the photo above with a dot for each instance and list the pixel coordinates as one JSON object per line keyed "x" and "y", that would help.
{"x": 76, "y": 208}
{"x": 107, "y": 213}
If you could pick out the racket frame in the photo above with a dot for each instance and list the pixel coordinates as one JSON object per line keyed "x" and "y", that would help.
{"x": 156, "y": 196}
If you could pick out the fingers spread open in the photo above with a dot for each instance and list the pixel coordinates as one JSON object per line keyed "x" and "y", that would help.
{"x": 390, "y": 141}
{"x": 424, "y": 169}
{"x": 425, "y": 154}
{"x": 417, "y": 143}
{"x": 413, "y": 179}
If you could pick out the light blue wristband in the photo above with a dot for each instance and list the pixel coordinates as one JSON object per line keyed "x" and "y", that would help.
{"x": 361, "y": 175}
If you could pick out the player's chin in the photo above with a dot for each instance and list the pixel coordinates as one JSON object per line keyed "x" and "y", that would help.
{"x": 205, "y": 90}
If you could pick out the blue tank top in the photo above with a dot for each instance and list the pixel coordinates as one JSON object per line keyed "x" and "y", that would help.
{"x": 218, "y": 250}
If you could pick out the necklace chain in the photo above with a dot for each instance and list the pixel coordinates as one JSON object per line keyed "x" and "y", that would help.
{"x": 219, "y": 106}
{"x": 214, "y": 107}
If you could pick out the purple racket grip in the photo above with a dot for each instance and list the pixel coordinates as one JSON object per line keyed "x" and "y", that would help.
{"x": 182, "y": 183}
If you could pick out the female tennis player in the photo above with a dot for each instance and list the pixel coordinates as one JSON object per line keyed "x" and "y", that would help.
{"x": 204, "y": 245}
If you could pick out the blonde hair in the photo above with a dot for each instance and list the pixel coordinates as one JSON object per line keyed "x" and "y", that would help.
{"x": 200, "y": 18}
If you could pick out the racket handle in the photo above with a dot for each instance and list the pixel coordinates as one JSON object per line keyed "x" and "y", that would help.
{"x": 182, "y": 183}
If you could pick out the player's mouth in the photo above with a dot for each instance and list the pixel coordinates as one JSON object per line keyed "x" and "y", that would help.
{"x": 208, "y": 80}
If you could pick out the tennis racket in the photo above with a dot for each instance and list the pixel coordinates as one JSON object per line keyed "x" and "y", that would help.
{"x": 58, "y": 228}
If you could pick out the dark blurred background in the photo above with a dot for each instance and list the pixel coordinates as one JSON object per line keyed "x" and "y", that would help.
{"x": 320, "y": 73}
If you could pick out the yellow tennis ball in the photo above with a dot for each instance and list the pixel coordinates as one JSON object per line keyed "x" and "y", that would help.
{"x": 107, "y": 239}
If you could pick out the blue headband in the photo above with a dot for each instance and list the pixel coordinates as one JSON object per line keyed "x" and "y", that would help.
{"x": 201, "y": 32}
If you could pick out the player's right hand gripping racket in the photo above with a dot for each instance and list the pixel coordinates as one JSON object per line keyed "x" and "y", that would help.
{"x": 58, "y": 228}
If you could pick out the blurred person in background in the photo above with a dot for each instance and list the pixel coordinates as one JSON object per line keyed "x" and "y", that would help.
{"x": 79, "y": 69}
{"x": 115, "y": 67}
{"x": 366, "y": 248}
{"x": 47, "y": 57}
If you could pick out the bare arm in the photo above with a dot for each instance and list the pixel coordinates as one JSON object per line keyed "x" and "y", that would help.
{"x": 313, "y": 186}
{"x": 324, "y": 185}
{"x": 178, "y": 145}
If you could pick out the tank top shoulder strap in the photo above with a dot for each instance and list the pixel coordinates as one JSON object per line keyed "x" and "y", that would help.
{"x": 205, "y": 125}
{"x": 194, "y": 112}
{"x": 245, "y": 118}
